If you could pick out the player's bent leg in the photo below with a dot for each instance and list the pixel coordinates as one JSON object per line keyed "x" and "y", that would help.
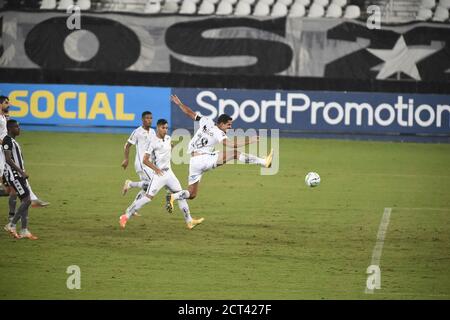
{"x": 21, "y": 213}
{"x": 128, "y": 184}
{"x": 131, "y": 210}
{"x": 140, "y": 194}
{"x": 12, "y": 201}
{"x": 193, "y": 190}
{"x": 173, "y": 186}
{"x": 227, "y": 156}
{"x": 35, "y": 201}
{"x": 154, "y": 186}
{"x": 252, "y": 159}
{"x": 126, "y": 187}
{"x": 25, "y": 233}
{"x": 188, "y": 194}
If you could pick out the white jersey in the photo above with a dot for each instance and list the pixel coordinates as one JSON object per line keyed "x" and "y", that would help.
{"x": 3, "y": 130}
{"x": 141, "y": 139}
{"x": 206, "y": 137}
{"x": 3, "y": 133}
{"x": 160, "y": 151}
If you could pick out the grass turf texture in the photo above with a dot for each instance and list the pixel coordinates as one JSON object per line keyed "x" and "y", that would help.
{"x": 264, "y": 237}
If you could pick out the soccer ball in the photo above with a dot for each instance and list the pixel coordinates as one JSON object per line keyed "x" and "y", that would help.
{"x": 312, "y": 179}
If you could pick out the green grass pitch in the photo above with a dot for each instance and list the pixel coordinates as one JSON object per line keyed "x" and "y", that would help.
{"x": 264, "y": 237}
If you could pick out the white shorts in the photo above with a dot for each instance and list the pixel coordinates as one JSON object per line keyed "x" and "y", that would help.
{"x": 145, "y": 174}
{"x": 200, "y": 164}
{"x": 2, "y": 161}
{"x": 168, "y": 179}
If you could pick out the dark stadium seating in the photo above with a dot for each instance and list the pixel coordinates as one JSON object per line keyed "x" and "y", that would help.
{"x": 393, "y": 11}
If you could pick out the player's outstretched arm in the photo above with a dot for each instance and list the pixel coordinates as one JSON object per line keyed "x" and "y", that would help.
{"x": 188, "y": 111}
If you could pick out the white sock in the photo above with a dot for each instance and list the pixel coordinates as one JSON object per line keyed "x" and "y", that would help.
{"x": 140, "y": 194}
{"x": 33, "y": 197}
{"x": 251, "y": 159}
{"x": 182, "y": 204}
{"x": 181, "y": 195}
{"x": 138, "y": 184}
{"x": 136, "y": 205}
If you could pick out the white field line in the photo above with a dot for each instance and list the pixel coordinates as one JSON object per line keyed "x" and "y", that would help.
{"x": 377, "y": 250}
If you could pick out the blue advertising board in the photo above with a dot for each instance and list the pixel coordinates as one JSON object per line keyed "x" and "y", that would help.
{"x": 308, "y": 113}
{"x": 84, "y": 107}
{"x": 321, "y": 112}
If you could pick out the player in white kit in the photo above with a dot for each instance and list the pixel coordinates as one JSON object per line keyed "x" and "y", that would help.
{"x": 4, "y": 106}
{"x": 35, "y": 201}
{"x": 158, "y": 157}
{"x": 140, "y": 138}
{"x": 201, "y": 148}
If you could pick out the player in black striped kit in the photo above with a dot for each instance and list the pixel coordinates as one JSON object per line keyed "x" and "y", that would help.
{"x": 16, "y": 177}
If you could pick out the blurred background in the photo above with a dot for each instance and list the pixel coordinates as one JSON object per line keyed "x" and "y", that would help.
{"x": 94, "y": 65}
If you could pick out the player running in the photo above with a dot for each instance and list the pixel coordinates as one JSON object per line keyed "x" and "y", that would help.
{"x": 17, "y": 178}
{"x": 201, "y": 148}
{"x": 157, "y": 158}
{"x": 140, "y": 138}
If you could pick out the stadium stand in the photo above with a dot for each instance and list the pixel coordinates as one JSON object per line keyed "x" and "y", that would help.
{"x": 243, "y": 8}
{"x": 153, "y": 6}
{"x": 279, "y": 10}
{"x": 316, "y": 11}
{"x": 224, "y": 8}
{"x": 334, "y": 11}
{"x": 206, "y": 8}
{"x": 392, "y": 11}
{"x": 297, "y": 10}
{"x": 188, "y": 7}
{"x": 261, "y": 9}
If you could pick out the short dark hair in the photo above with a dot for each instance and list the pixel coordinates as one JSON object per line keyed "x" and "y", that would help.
{"x": 11, "y": 123}
{"x": 224, "y": 118}
{"x": 161, "y": 122}
{"x": 145, "y": 113}
{"x": 3, "y": 99}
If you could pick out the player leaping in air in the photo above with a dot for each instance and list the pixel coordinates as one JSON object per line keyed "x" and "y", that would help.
{"x": 201, "y": 148}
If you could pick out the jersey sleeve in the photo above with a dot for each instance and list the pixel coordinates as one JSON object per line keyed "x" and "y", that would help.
{"x": 205, "y": 121}
{"x": 133, "y": 138}
{"x": 198, "y": 116}
{"x": 150, "y": 148}
{"x": 7, "y": 143}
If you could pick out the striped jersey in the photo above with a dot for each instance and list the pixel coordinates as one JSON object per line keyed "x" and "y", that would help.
{"x": 3, "y": 133}
{"x": 16, "y": 154}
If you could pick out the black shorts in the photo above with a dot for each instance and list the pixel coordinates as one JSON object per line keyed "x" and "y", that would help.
{"x": 20, "y": 186}
{"x": 4, "y": 182}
